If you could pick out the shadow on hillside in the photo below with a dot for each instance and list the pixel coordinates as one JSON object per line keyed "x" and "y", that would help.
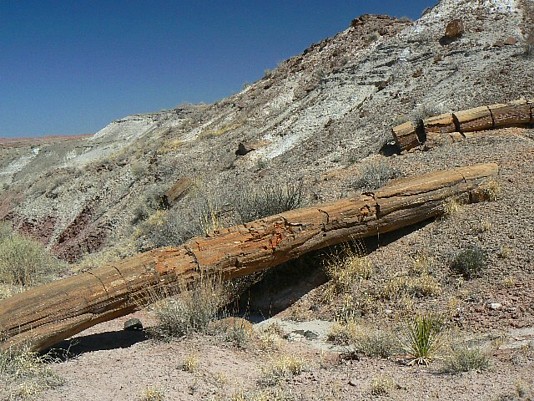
{"x": 106, "y": 341}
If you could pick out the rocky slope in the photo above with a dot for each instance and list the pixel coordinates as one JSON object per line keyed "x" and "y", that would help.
{"x": 315, "y": 118}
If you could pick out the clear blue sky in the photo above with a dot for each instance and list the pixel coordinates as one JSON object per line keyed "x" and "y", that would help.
{"x": 73, "y": 66}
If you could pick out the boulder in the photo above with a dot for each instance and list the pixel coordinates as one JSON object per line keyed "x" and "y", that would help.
{"x": 454, "y": 29}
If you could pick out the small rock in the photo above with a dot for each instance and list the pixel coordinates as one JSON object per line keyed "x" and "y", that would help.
{"x": 295, "y": 336}
{"x": 510, "y": 41}
{"x": 353, "y": 383}
{"x": 243, "y": 149}
{"x": 454, "y": 29}
{"x": 133, "y": 325}
{"x": 311, "y": 335}
{"x": 494, "y": 305}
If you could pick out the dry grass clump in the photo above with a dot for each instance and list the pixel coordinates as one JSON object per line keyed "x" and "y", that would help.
{"x": 375, "y": 175}
{"x": 270, "y": 337}
{"x": 190, "y": 312}
{"x": 190, "y": 363}
{"x": 235, "y": 330}
{"x": 492, "y": 189}
{"x": 417, "y": 282}
{"x": 25, "y": 262}
{"x": 419, "y": 287}
{"x": 370, "y": 342}
{"x": 358, "y": 287}
{"x": 272, "y": 394}
{"x": 343, "y": 333}
{"x": 465, "y": 359}
{"x": 24, "y": 375}
{"x": 346, "y": 268}
{"x": 283, "y": 367}
{"x": 452, "y": 207}
{"x": 521, "y": 392}
{"x": 152, "y": 394}
{"x": 381, "y": 385}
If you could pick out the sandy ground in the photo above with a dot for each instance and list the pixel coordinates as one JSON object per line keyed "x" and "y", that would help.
{"x": 111, "y": 364}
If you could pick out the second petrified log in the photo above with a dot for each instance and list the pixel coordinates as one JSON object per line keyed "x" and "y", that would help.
{"x": 458, "y": 124}
{"x": 47, "y": 314}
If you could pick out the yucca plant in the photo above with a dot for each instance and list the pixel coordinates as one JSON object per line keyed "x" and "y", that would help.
{"x": 423, "y": 338}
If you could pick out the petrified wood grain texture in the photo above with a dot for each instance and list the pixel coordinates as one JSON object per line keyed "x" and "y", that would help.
{"x": 507, "y": 115}
{"x": 47, "y": 314}
{"x": 476, "y": 119}
{"x": 443, "y": 124}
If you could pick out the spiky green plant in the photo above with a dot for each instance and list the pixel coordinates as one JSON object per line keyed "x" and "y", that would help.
{"x": 423, "y": 338}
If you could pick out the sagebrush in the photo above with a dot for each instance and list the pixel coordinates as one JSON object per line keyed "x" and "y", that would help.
{"x": 191, "y": 311}
{"x": 24, "y": 261}
{"x": 375, "y": 175}
{"x": 470, "y": 262}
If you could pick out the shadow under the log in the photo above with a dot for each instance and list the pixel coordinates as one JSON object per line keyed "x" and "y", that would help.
{"x": 282, "y": 286}
{"x": 277, "y": 289}
{"x": 105, "y": 341}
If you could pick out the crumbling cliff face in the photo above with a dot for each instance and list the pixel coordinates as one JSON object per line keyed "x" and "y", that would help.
{"x": 317, "y": 113}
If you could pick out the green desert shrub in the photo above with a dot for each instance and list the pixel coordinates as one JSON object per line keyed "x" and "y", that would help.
{"x": 470, "y": 262}
{"x": 25, "y": 262}
{"x": 423, "y": 338}
{"x": 374, "y": 175}
{"x": 529, "y": 44}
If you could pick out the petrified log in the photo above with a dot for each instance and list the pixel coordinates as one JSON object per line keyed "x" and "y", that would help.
{"x": 476, "y": 119}
{"x": 406, "y": 135}
{"x": 177, "y": 191}
{"x": 508, "y": 115}
{"x": 459, "y": 124}
{"x": 443, "y": 124}
{"x": 47, "y": 314}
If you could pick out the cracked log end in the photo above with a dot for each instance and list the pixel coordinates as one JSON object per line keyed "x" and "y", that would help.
{"x": 406, "y": 136}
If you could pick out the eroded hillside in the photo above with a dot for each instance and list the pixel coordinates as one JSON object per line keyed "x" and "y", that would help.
{"x": 314, "y": 118}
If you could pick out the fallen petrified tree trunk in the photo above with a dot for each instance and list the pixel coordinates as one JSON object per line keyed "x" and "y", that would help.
{"x": 47, "y": 314}
{"x": 457, "y": 125}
